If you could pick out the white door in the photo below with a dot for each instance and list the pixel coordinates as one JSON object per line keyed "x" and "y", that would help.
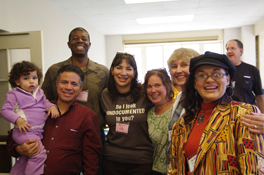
{"x": 15, "y": 47}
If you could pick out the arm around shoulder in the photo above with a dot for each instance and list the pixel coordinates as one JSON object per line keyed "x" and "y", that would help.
{"x": 249, "y": 146}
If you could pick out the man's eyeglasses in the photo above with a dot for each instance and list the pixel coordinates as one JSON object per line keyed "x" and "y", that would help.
{"x": 215, "y": 76}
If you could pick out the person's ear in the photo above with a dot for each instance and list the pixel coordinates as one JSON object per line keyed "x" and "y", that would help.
{"x": 81, "y": 87}
{"x": 241, "y": 51}
{"x": 112, "y": 70}
{"x": 17, "y": 82}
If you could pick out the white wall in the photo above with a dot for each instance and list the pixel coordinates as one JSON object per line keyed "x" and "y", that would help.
{"x": 249, "y": 41}
{"x": 113, "y": 44}
{"x": 259, "y": 30}
{"x": 232, "y": 33}
{"x": 56, "y": 24}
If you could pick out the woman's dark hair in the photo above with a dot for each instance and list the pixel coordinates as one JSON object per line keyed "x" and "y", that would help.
{"x": 135, "y": 88}
{"x": 21, "y": 69}
{"x": 192, "y": 99}
{"x": 165, "y": 78}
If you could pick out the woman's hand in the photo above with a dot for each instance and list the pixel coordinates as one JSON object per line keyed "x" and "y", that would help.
{"x": 29, "y": 148}
{"x": 254, "y": 122}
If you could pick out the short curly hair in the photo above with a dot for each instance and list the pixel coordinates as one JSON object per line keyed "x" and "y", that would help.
{"x": 20, "y": 69}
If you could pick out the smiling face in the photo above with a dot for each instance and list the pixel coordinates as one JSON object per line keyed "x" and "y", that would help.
{"x": 210, "y": 90}
{"x": 68, "y": 87}
{"x": 179, "y": 72}
{"x": 28, "y": 82}
{"x": 79, "y": 43}
{"x": 156, "y": 90}
{"x": 123, "y": 74}
{"x": 233, "y": 52}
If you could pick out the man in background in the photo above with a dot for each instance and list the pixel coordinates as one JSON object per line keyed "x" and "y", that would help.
{"x": 247, "y": 82}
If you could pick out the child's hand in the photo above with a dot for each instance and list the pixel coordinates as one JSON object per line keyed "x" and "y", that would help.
{"x": 22, "y": 125}
{"x": 54, "y": 112}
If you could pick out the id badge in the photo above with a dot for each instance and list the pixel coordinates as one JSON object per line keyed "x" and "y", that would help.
{"x": 122, "y": 127}
{"x": 191, "y": 163}
{"x": 83, "y": 96}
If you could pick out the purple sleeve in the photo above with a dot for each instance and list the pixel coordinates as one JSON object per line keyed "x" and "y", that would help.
{"x": 8, "y": 108}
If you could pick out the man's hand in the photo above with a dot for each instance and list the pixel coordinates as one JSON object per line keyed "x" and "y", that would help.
{"x": 29, "y": 148}
{"x": 254, "y": 122}
{"x": 22, "y": 125}
{"x": 54, "y": 112}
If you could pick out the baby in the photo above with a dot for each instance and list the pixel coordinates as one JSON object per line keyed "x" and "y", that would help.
{"x": 27, "y": 107}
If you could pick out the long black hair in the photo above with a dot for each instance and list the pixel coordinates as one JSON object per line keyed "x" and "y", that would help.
{"x": 135, "y": 89}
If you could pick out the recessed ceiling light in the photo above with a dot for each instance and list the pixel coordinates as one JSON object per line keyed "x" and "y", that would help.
{"x": 166, "y": 19}
{"x": 145, "y": 1}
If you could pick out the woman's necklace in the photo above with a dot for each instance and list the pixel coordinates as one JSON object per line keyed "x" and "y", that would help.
{"x": 159, "y": 109}
{"x": 164, "y": 103}
{"x": 201, "y": 117}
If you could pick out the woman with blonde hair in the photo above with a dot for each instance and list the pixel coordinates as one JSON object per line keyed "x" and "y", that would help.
{"x": 178, "y": 64}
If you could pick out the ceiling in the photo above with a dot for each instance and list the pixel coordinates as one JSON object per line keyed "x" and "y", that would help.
{"x": 114, "y": 17}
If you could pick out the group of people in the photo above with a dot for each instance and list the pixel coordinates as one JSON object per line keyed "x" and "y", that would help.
{"x": 186, "y": 124}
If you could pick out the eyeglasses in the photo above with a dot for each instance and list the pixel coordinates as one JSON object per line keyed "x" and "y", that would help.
{"x": 215, "y": 76}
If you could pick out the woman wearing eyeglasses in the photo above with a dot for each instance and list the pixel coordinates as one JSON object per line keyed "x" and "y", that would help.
{"x": 210, "y": 138}
{"x": 128, "y": 149}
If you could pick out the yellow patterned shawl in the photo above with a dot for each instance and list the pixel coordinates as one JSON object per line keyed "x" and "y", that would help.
{"x": 226, "y": 146}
